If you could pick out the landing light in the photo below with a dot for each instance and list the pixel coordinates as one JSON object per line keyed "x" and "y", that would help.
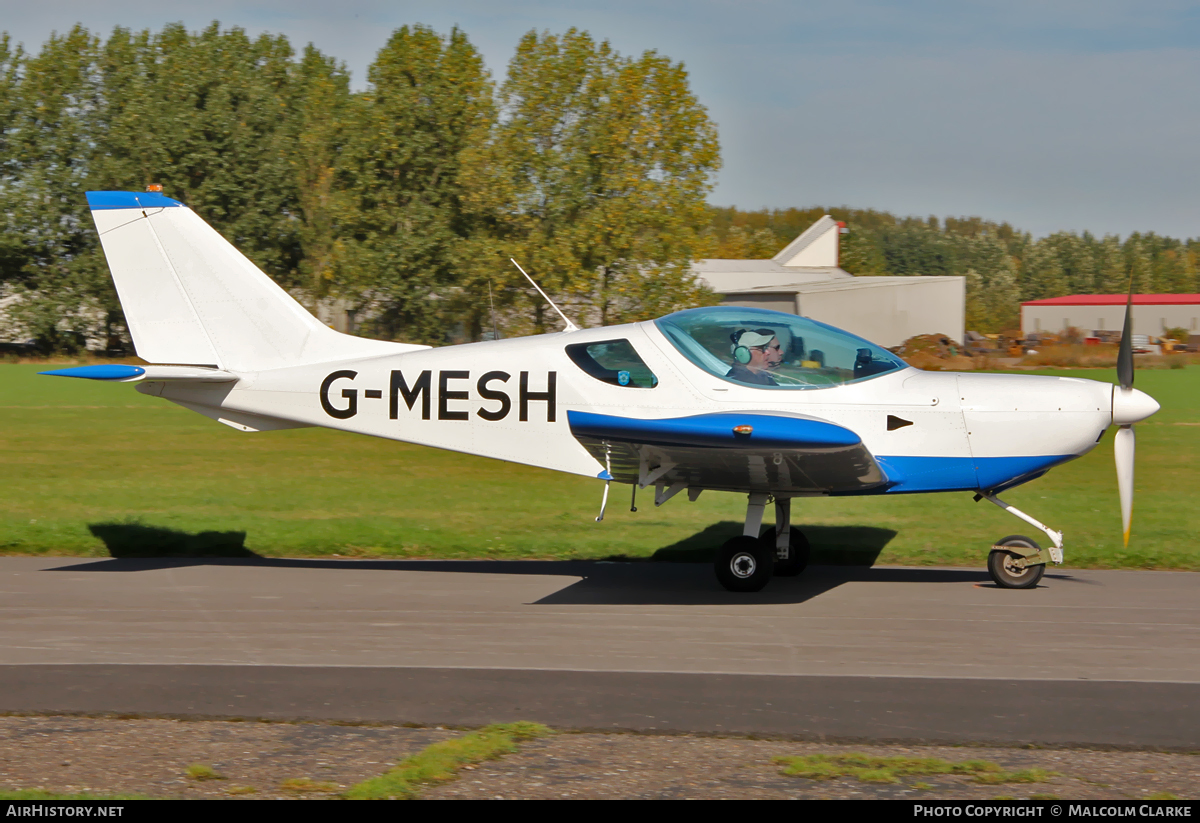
{"x": 743, "y": 429}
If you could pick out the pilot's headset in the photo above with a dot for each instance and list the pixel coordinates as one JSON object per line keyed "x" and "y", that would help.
{"x": 741, "y": 351}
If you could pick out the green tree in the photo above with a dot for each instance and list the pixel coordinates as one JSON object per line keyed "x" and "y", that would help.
{"x": 1139, "y": 265}
{"x": 1170, "y": 271}
{"x": 914, "y": 247}
{"x": 1190, "y": 283}
{"x": 1042, "y": 274}
{"x": 11, "y": 240}
{"x": 860, "y": 254}
{"x": 234, "y": 127}
{"x": 992, "y": 298}
{"x": 992, "y": 295}
{"x": 595, "y": 179}
{"x": 58, "y": 277}
{"x": 1075, "y": 258}
{"x": 741, "y": 244}
{"x": 1111, "y": 274}
{"x": 403, "y": 228}
{"x": 209, "y": 117}
{"x": 322, "y": 105}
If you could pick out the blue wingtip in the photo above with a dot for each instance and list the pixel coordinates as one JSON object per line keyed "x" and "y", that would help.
{"x": 99, "y": 200}
{"x": 604, "y": 475}
{"x": 105, "y": 372}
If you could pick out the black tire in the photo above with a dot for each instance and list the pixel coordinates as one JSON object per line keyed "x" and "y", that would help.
{"x": 798, "y": 551}
{"x": 743, "y": 565}
{"x": 1006, "y": 577}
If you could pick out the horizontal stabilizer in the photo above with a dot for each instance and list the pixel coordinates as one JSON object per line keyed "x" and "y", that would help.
{"x": 137, "y": 374}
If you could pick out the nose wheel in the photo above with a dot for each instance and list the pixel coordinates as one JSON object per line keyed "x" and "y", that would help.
{"x": 1022, "y": 565}
{"x": 1008, "y": 569}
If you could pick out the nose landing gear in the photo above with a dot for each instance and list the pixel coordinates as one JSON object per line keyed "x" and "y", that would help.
{"x": 1016, "y": 562}
{"x": 1009, "y": 568}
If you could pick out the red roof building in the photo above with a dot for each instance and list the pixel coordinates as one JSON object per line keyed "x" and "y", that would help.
{"x": 1153, "y": 314}
{"x": 1118, "y": 300}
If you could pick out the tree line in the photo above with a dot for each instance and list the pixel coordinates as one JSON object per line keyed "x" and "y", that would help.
{"x": 1003, "y": 266}
{"x": 402, "y": 202}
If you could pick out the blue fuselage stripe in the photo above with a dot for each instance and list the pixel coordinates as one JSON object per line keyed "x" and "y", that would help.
{"x": 905, "y": 474}
{"x": 941, "y": 474}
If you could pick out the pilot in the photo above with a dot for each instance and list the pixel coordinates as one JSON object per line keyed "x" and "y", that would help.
{"x": 755, "y": 352}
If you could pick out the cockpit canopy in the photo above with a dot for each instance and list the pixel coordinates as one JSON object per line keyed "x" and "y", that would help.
{"x": 810, "y": 355}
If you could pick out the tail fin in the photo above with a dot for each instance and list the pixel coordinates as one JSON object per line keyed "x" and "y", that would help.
{"x": 190, "y": 297}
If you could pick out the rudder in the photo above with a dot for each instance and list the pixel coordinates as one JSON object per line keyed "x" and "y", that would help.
{"x": 190, "y": 297}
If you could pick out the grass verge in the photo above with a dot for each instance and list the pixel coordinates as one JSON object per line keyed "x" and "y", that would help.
{"x": 201, "y": 771}
{"x": 871, "y": 769}
{"x": 441, "y": 762}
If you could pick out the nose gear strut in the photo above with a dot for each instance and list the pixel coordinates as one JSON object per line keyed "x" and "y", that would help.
{"x": 1010, "y": 558}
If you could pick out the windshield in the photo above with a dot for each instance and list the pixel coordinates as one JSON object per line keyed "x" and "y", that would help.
{"x": 770, "y": 349}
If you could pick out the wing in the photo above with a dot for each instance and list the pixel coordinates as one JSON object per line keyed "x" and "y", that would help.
{"x": 730, "y": 451}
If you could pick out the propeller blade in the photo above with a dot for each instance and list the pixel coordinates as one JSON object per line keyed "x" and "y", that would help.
{"x": 1125, "y": 352}
{"x": 1123, "y": 448}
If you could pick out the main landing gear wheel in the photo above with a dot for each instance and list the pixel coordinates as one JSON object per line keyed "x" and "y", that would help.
{"x": 797, "y": 553}
{"x": 1005, "y": 574}
{"x": 745, "y": 564}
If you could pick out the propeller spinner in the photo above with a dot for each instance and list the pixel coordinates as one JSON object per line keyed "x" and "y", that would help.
{"x": 1129, "y": 406}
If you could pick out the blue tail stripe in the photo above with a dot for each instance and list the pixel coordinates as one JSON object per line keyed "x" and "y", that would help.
{"x": 98, "y": 200}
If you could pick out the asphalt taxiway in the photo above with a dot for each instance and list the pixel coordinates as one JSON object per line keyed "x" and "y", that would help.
{"x": 1109, "y": 658}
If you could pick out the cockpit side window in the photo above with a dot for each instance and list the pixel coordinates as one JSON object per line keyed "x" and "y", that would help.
{"x": 766, "y": 349}
{"x": 613, "y": 361}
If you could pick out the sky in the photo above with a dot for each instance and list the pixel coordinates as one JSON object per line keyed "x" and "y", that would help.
{"x": 1074, "y": 115}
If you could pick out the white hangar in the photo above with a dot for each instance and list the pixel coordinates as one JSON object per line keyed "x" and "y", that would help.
{"x": 805, "y": 278}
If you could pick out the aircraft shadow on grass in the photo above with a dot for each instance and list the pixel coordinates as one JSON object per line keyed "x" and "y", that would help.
{"x": 126, "y": 540}
{"x": 678, "y": 574}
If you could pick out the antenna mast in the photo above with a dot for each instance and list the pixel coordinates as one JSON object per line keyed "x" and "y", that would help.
{"x": 495, "y": 331}
{"x": 570, "y": 326}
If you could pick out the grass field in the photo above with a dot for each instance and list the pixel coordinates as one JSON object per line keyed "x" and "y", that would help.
{"x": 94, "y": 469}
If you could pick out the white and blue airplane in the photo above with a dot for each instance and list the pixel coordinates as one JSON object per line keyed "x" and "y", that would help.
{"x": 761, "y": 403}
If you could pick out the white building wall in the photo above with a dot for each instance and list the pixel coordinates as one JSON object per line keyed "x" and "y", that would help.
{"x": 884, "y": 310}
{"x": 817, "y": 246}
{"x": 822, "y": 251}
{"x": 1153, "y": 320}
{"x": 804, "y": 278}
{"x": 890, "y": 313}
